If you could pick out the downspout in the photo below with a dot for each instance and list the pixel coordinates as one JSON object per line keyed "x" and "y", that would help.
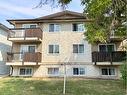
{"x": 11, "y": 70}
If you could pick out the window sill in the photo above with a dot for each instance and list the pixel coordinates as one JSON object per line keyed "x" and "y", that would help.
{"x": 78, "y": 31}
{"x": 78, "y": 75}
{"x": 25, "y": 75}
{"x": 54, "y": 32}
{"x": 78, "y": 53}
{"x": 54, "y": 54}
{"x": 53, "y": 75}
{"x": 108, "y": 75}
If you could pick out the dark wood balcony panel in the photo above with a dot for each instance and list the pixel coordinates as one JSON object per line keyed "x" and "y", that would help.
{"x": 33, "y": 33}
{"x": 25, "y": 32}
{"x": 32, "y": 57}
{"x": 116, "y": 56}
{"x": 24, "y": 57}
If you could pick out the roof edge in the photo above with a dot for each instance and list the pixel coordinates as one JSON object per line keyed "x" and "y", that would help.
{"x": 4, "y": 27}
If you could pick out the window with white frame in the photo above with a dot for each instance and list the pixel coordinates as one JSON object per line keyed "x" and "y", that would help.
{"x": 78, "y": 71}
{"x": 79, "y": 27}
{"x": 106, "y": 47}
{"x": 53, "y": 71}
{"x": 29, "y": 26}
{"x": 28, "y": 48}
{"x": 108, "y": 71}
{"x": 53, "y": 49}
{"x": 25, "y": 71}
{"x": 78, "y": 48}
{"x": 54, "y": 27}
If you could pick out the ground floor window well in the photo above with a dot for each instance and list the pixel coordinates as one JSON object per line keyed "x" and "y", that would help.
{"x": 108, "y": 71}
{"x": 25, "y": 71}
{"x": 53, "y": 71}
{"x": 78, "y": 71}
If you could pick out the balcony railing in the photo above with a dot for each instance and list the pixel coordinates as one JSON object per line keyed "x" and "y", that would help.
{"x": 25, "y": 32}
{"x": 116, "y": 56}
{"x": 118, "y": 35}
{"x": 24, "y": 57}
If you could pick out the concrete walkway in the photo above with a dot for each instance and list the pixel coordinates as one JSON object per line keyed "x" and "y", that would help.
{"x": 3, "y": 76}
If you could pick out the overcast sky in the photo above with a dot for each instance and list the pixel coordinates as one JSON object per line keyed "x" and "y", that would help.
{"x": 20, "y": 9}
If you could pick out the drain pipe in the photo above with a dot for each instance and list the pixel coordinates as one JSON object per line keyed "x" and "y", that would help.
{"x": 11, "y": 70}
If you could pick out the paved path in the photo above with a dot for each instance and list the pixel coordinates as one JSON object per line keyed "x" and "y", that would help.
{"x": 3, "y": 76}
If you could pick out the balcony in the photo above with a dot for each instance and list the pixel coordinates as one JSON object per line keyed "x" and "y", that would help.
{"x": 118, "y": 36}
{"x": 108, "y": 58}
{"x": 26, "y": 58}
{"x": 25, "y": 35}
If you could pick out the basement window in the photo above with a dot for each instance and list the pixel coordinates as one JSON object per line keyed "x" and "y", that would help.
{"x": 78, "y": 71}
{"x": 53, "y": 71}
{"x": 108, "y": 71}
{"x": 25, "y": 71}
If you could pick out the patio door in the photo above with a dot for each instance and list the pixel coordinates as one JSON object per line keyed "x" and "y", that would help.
{"x": 31, "y": 49}
{"x": 107, "y": 48}
{"x": 27, "y": 48}
{"x": 23, "y": 49}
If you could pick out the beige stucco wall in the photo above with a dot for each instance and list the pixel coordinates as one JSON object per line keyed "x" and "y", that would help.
{"x": 18, "y": 25}
{"x": 91, "y": 71}
{"x": 65, "y": 38}
{"x": 17, "y": 46}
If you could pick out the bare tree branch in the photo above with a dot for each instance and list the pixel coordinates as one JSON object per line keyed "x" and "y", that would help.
{"x": 54, "y": 3}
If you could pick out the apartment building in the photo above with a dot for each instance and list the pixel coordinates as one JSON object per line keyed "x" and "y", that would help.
{"x": 5, "y": 46}
{"x": 43, "y": 46}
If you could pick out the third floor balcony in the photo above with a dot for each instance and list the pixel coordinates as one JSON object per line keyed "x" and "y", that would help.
{"x": 25, "y": 35}
{"x": 118, "y": 35}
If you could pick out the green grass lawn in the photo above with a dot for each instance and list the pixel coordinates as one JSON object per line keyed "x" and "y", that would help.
{"x": 28, "y": 86}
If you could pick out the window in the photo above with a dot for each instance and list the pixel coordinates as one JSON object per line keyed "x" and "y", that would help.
{"x": 78, "y": 48}
{"x": 54, "y": 27}
{"x": 106, "y": 48}
{"x": 25, "y": 71}
{"x": 28, "y": 48}
{"x": 78, "y": 71}
{"x": 31, "y": 49}
{"x": 33, "y": 26}
{"x": 53, "y": 71}
{"x": 29, "y": 25}
{"x": 78, "y": 27}
{"x": 53, "y": 49}
{"x": 108, "y": 71}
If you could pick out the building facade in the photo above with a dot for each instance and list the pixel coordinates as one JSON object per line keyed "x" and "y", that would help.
{"x": 44, "y": 46}
{"x": 5, "y": 46}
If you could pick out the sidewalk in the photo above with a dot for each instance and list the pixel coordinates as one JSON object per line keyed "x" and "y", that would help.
{"x": 3, "y": 76}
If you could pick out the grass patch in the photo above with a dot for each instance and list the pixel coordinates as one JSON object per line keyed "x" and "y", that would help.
{"x": 24, "y": 86}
